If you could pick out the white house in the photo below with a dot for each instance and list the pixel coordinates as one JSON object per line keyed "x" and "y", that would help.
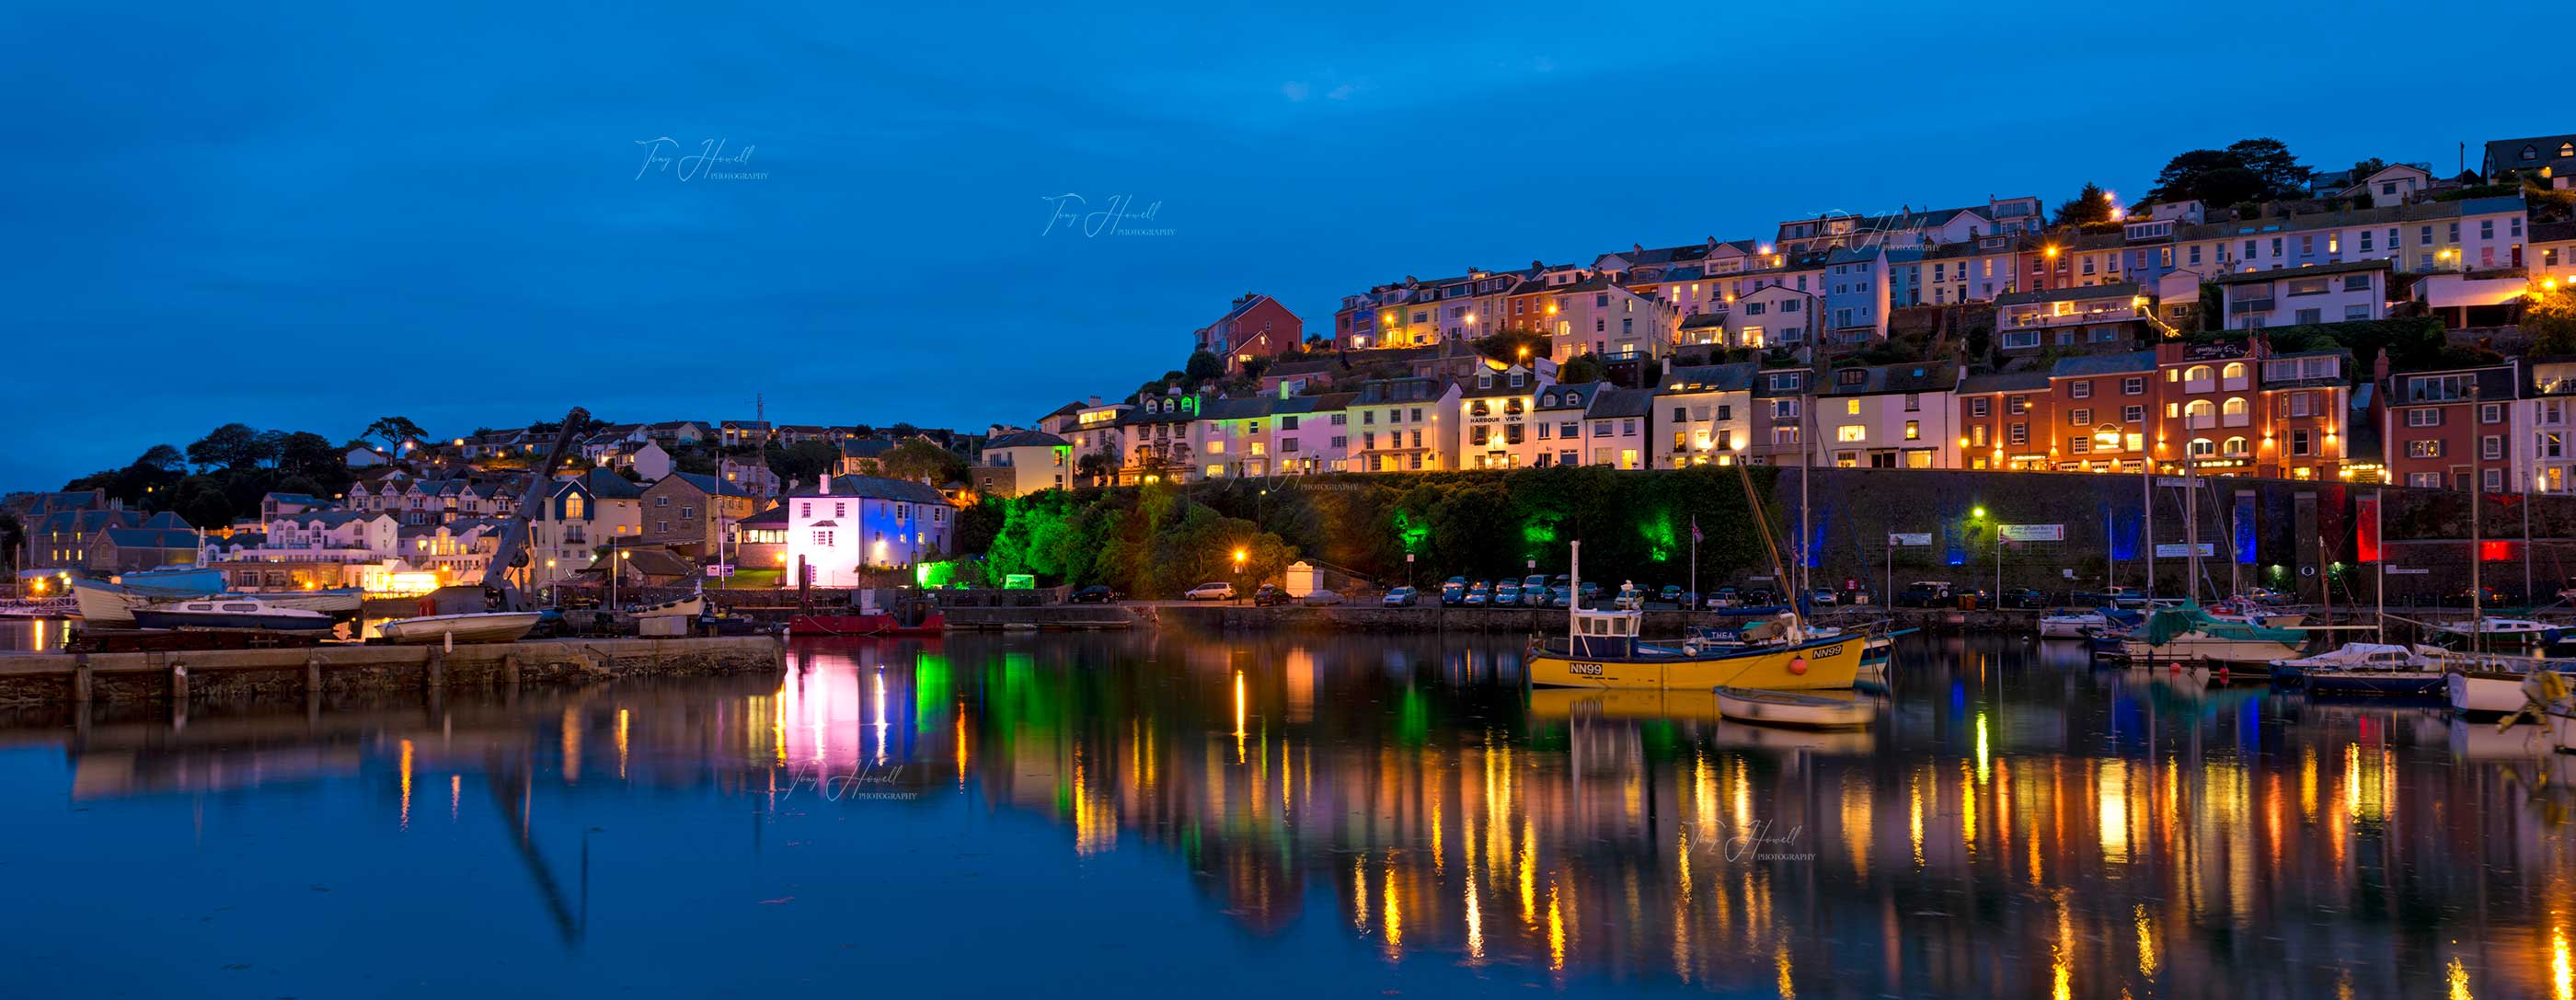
{"x": 1772, "y": 316}
{"x": 1889, "y": 416}
{"x": 1704, "y": 414}
{"x": 845, "y": 525}
{"x": 2325, "y": 293}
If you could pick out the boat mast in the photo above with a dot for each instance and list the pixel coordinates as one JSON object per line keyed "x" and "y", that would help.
{"x": 2147, "y": 524}
{"x": 2191, "y": 522}
{"x": 2477, "y": 499}
{"x": 1574, "y": 602}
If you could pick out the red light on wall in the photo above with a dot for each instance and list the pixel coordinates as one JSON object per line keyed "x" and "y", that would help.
{"x": 2495, "y": 551}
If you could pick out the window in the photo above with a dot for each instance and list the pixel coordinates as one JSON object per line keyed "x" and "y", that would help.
{"x": 2490, "y": 413}
{"x": 2491, "y": 446}
{"x": 2427, "y": 448}
{"x": 1852, "y": 433}
{"x": 2079, "y": 418}
{"x": 2299, "y": 442}
{"x": 2080, "y": 390}
{"x": 1979, "y": 406}
{"x": 2133, "y": 414}
{"x": 2016, "y": 405}
{"x": 2133, "y": 387}
{"x": 2425, "y": 416}
{"x": 2017, "y": 434}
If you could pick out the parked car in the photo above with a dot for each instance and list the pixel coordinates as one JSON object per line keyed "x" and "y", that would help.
{"x": 1322, "y": 598}
{"x": 1477, "y": 596}
{"x": 1210, "y": 592}
{"x": 1536, "y": 597}
{"x": 1928, "y": 594}
{"x": 1671, "y": 594}
{"x": 1760, "y": 599}
{"x": 1724, "y": 597}
{"x": 1094, "y": 594}
{"x": 1400, "y": 597}
{"x": 1268, "y": 595}
{"x": 2021, "y": 597}
{"x": 2492, "y": 597}
{"x": 1591, "y": 589}
{"x": 2269, "y": 597}
{"x": 1506, "y": 594}
{"x": 1821, "y": 596}
{"x": 1560, "y": 596}
{"x": 1453, "y": 593}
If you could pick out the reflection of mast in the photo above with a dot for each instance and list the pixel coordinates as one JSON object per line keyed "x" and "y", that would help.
{"x": 509, "y": 785}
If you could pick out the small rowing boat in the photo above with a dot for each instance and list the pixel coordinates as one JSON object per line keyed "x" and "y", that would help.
{"x": 1794, "y": 708}
{"x": 491, "y": 626}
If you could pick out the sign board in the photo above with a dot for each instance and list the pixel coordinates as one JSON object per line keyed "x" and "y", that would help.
{"x": 2403, "y": 571}
{"x": 2173, "y": 481}
{"x": 1759, "y": 579}
{"x": 2214, "y": 352}
{"x": 2174, "y": 551}
{"x": 720, "y": 569}
{"x": 2033, "y": 532}
{"x": 2068, "y": 573}
{"x": 1909, "y": 538}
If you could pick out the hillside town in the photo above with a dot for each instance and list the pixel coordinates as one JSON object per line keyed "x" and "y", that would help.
{"x": 2384, "y": 323}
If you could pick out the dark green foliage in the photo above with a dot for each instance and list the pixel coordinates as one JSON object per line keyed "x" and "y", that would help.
{"x": 1159, "y": 540}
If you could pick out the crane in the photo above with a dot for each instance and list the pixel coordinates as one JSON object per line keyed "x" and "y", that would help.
{"x": 496, "y": 592}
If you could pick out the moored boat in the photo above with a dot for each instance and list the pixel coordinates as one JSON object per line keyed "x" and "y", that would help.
{"x": 2502, "y": 635}
{"x": 1795, "y": 708}
{"x": 2189, "y": 634}
{"x": 112, "y": 605}
{"x": 248, "y": 614}
{"x": 2363, "y": 668}
{"x": 489, "y": 626}
{"x": 2072, "y": 625}
{"x": 1601, "y": 650}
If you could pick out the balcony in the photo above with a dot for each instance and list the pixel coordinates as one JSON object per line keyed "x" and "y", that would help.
{"x": 2249, "y": 306}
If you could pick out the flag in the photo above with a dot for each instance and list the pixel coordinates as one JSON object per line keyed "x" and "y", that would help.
{"x": 1696, "y": 537}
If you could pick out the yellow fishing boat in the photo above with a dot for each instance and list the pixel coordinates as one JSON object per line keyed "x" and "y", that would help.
{"x": 1600, "y": 650}
{"x": 1613, "y": 658}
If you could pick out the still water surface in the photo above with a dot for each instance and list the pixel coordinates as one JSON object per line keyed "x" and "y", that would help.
{"x": 1285, "y": 816}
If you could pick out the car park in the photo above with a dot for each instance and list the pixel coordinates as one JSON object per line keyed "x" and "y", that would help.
{"x": 1268, "y": 595}
{"x": 1507, "y": 594}
{"x": 1453, "y": 593}
{"x": 1210, "y": 592}
{"x": 1400, "y": 597}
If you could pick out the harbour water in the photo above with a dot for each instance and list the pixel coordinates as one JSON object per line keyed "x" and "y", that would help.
{"x": 1146, "y": 814}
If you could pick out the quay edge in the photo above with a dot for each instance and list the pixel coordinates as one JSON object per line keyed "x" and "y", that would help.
{"x": 50, "y": 679}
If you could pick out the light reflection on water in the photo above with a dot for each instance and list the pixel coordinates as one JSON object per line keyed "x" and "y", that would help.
{"x": 1110, "y": 813}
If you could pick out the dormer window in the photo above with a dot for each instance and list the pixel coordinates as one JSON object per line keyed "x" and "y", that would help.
{"x": 1485, "y": 380}
{"x": 1548, "y": 400}
{"x": 2531, "y": 152}
{"x": 1516, "y": 379}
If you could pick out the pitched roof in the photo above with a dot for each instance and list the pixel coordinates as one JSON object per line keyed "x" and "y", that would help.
{"x": 1025, "y": 439}
{"x": 710, "y": 485}
{"x": 2004, "y": 382}
{"x": 881, "y": 488}
{"x": 774, "y": 517}
{"x": 150, "y": 538}
{"x": 2085, "y": 365}
{"x": 1882, "y": 379}
{"x": 1616, "y": 402}
{"x": 2545, "y": 150}
{"x": 1709, "y": 378}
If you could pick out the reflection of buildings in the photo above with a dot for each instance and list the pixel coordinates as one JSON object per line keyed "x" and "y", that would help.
{"x": 2014, "y": 827}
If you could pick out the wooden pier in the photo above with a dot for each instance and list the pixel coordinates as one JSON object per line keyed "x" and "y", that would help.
{"x": 49, "y": 679}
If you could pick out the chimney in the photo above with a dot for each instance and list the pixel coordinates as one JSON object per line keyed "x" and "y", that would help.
{"x": 823, "y": 483}
{"x": 1095, "y": 400}
{"x": 1636, "y": 248}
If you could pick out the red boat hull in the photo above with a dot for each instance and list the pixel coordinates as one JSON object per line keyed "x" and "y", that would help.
{"x": 862, "y": 625}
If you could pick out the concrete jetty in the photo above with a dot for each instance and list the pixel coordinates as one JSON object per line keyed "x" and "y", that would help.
{"x": 43, "y": 679}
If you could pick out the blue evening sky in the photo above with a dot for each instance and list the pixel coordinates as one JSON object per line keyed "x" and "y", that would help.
{"x": 309, "y": 217}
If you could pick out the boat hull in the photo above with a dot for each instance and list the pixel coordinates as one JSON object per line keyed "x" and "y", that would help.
{"x": 1775, "y": 708}
{"x": 2378, "y": 683}
{"x": 2484, "y": 692}
{"x": 495, "y": 627}
{"x": 1825, "y": 664}
{"x": 2070, "y": 626}
{"x": 108, "y": 605}
{"x": 2200, "y": 647}
{"x": 239, "y": 622}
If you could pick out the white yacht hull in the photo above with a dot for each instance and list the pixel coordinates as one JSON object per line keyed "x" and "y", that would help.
{"x": 2198, "y": 647}
{"x": 2485, "y": 692}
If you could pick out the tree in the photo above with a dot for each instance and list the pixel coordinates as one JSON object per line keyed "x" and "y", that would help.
{"x": 1513, "y": 345}
{"x": 804, "y": 461}
{"x": 1579, "y": 368}
{"x": 2550, "y": 318}
{"x": 2247, "y": 170}
{"x": 2271, "y": 160}
{"x": 2088, "y": 206}
{"x": 916, "y": 458}
{"x": 162, "y": 458}
{"x": 304, "y": 453}
{"x": 1203, "y": 367}
{"x": 395, "y": 430}
{"x": 231, "y": 446}
{"x": 1096, "y": 468}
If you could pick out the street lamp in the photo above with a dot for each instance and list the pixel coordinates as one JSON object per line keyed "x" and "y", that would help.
{"x": 1239, "y": 581}
{"x": 1979, "y": 514}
